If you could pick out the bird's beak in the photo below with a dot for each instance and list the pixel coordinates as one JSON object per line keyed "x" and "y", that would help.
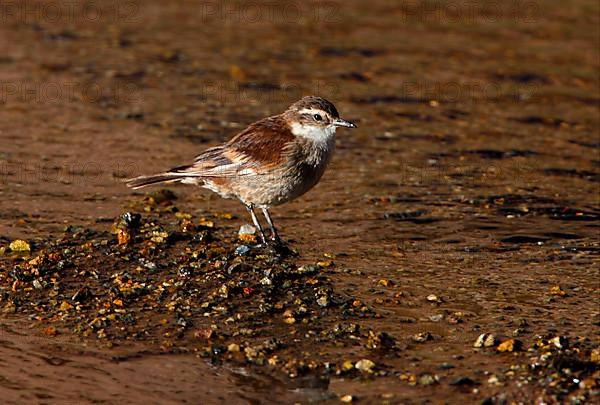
{"x": 338, "y": 122}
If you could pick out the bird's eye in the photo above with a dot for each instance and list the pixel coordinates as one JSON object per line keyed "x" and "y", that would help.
{"x": 317, "y": 117}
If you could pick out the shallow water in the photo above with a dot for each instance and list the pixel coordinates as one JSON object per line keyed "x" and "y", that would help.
{"x": 474, "y": 174}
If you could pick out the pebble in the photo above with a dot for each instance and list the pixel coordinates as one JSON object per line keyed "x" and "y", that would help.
{"x": 347, "y": 399}
{"x": 518, "y": 332}
{"x": 250, "y": 352}
{"x": 224, "y": 291}
{"x": 65, "y": 306}
{"x": 433, "y": 298}
{"x": 323, "y": 301}
{"x": 233, "y": 348}
{"x": 385, "y": 282}
{"x": 595, "y": 356}
{"x": 493, "y": 380}
{"x": 422, "y": 337}
{"x": 19, "y": 246}
{"x": 485, "y": 340}
{"x": 204, "y": 333}
{"x": 288, "y": 317}
{"x": 556, "y": 290}
{"x": 241, "y": 250}
{"x": 560, "y": 342}
{"x": 247, "y": 229}
{"x": 365, "y": 365}
{"x": 427, "y": 379}
{"x": 510, "y": 345}
{"x": 436, "y": 318}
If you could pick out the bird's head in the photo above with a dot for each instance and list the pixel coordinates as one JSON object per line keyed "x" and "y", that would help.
{"x": 314, "y": 117}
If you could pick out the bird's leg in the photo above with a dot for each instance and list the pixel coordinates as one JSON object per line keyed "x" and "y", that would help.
{"x": 250, "y": 208}
{"x": 274, "y": 236}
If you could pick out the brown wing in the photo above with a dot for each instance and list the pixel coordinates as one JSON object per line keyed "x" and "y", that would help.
{"x": 263, "y": 143}
{"x": 257, "y": 149}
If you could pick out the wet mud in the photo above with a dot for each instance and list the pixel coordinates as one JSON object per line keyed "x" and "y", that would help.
{"x": 450, "y": 252}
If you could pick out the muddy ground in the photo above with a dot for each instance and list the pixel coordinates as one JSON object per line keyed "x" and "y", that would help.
{"x": 466, "y": 203}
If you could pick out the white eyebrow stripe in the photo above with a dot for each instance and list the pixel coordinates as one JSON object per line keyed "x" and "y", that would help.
{"x": 309, "y": 111}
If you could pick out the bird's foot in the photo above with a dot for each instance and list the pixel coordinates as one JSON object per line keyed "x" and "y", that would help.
{"x": 282, "y": 248}
{"x": 276, "y": 248}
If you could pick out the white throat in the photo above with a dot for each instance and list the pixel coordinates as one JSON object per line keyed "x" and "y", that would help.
{"x": 314, "y": 133}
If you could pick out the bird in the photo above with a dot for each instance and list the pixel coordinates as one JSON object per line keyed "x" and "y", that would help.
{"x": 271, "y": 162}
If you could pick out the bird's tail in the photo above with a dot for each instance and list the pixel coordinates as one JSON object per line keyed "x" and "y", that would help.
{"x": 168, "y": 177}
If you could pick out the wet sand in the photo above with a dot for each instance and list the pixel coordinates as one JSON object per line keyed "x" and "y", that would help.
{"x": 473, "y": 177}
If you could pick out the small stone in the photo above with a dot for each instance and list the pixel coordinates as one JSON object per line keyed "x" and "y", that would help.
{"x": 493, "y": 380}
{"x": 185, "y": 271}
{"x": 19, "y": 246}
{"x": 426, "y": 379}
{"x": 595, "y": 356}
{"x": 251, "y": 353}
{"x": 436, "y": 318}
{"x": 186, "y": 225}
{"x": 510, "y": 345}
{"x": 224, "y": 291}
{"x": 125, "y": 227}
{"x": 159, "y": 236}
{"x": 365, "y": 365}
{"x": 485, "y": 340}
{"x": 380, "y": 341}
{"x": 518, "y": 332}
{"x": 560, "y": 342}
{"x": 433, "y": 298}
{"x": 266, "y": 281}
{"x": 422, "y": 337}
{"x": 242, "y": 250}
{"x": 65, "y": 306}
{"x": 37, "y": 285}
{"x": 347, "y": 365}
{"x": 288, "y": 317}
{"x": 347, "y": 399}
{"x": 9, "y": 308}
{"x": 556, "y": 290}
{"x": 206, "y": 223}
{"x": 150, "y": 266}
{"x": 246, "y": 230}
{"x": 50, "y": 331}
{"x": 233, "y": 348}
{"x": 183, "y": 215}
{"x": 123, "y": 236}
{"x": 247, "y": 238}
{"x": 385, "y": 282}
{"x": 204, "y": 334}
{"x": 323, "y": 301}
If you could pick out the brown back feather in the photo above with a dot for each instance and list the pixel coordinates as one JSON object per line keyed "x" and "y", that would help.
{"x": 263, "y": 143}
